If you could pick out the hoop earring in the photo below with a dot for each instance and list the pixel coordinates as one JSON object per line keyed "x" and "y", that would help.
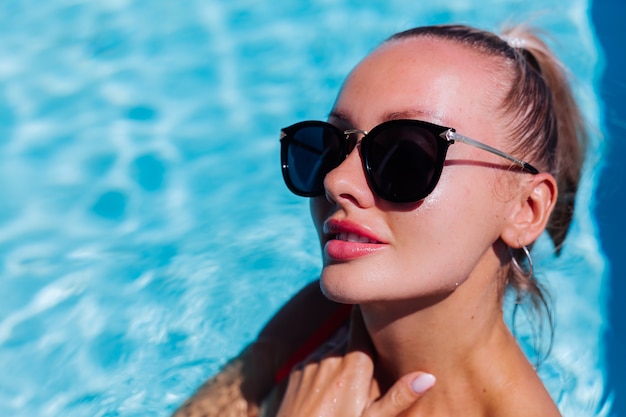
{"x": 527, "y": 274}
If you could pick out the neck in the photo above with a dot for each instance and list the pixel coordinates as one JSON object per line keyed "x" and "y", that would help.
{"x": 454, "y": 336}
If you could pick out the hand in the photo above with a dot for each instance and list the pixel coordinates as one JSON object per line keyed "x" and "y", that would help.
{"x": 338, "y": 380}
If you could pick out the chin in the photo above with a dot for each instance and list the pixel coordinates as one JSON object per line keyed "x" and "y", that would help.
{"x": 360, "y": 287}
{"x": 350, "y": 288}
{"x": 338, "y": 295}
{"x": 340, "y": 290}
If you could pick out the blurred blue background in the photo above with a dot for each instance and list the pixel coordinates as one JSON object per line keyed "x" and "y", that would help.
{"x": 145, "y": 233}
{"x": 607, "y": 18}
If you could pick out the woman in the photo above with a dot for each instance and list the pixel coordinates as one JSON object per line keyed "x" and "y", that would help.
{"x": 448, "y": 152}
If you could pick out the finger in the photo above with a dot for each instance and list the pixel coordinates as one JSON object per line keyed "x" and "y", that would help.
{"x": 404, "y": 393}
{"x": 314, "y": 389}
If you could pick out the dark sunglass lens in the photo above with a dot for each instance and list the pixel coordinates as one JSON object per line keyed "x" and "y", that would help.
{"x": 402, "y": 162}
{"x": 313, "y": 151}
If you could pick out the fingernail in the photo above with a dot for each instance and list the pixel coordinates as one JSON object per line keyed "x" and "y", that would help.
{"x": 422, "y": 383}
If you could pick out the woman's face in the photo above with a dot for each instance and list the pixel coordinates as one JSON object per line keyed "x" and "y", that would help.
{"x": 375, "y": 250}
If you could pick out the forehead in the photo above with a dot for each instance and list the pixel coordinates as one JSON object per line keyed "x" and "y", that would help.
{"x": 444, "y": 81}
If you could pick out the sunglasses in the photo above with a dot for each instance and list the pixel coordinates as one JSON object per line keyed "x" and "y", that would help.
{"x": 402, "y": 159}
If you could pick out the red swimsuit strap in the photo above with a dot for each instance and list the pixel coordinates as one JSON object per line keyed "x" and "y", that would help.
{"x": 322, "y": 334}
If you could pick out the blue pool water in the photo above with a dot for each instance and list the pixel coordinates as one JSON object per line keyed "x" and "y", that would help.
{"x": 145, "y": 233}
{"x": 607, "y": 17}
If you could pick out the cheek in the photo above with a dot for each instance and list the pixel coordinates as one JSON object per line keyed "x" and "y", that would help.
{"x": 462, "y": 211}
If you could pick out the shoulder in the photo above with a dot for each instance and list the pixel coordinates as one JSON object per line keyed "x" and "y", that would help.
{"x": 509, "y": 383}
{"x": 522, "y": 394}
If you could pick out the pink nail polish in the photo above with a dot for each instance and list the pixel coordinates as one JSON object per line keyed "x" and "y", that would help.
{"x": 422, "y": 383}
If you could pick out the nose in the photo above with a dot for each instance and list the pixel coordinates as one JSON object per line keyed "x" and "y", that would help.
{"x": 347, "y": 184}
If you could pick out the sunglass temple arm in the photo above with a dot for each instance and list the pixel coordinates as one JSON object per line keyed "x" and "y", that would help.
{"x": 451, "y": 136}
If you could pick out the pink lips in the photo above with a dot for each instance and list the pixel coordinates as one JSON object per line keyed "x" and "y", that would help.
{"x": 348, "y": 240}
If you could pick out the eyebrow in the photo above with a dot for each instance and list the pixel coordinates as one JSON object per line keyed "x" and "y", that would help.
{"x": 339, "y": 115}
{"x": 412, "y": 114}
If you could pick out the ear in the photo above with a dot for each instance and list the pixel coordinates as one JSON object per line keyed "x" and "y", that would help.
{"x": 531, "y": 211}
